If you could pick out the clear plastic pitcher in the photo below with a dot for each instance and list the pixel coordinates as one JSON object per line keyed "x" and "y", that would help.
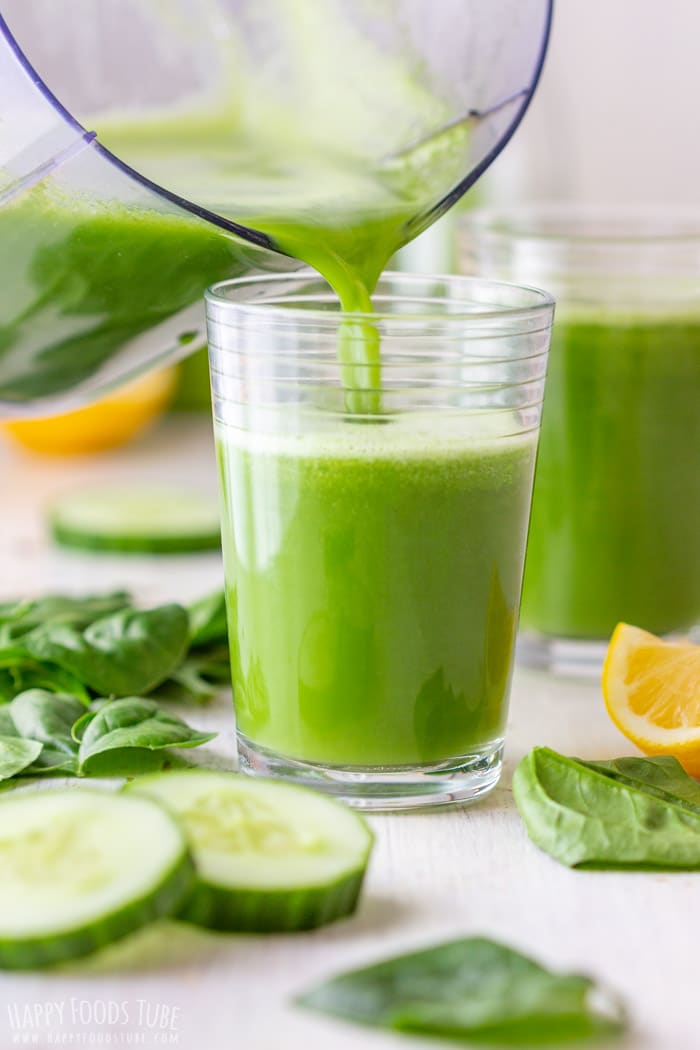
{"x": 138, "y": 139}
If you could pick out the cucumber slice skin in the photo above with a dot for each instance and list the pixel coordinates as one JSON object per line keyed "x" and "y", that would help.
{"x": 172, "y": 884}
{"x": 281, "y": 911}
{"x": 238, "y": 909}
{"x": 141, "y": 519}
{"x": 38, "y": 952}
{"x": 67, "y": 536}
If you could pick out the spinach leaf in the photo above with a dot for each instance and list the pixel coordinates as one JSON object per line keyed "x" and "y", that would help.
{"x": 7, "y": 726}
{"x": 662, "y": 776}
{"x": 208, "y": 621}
{"x": 31, "y": 674}
{"x": 629, "y": 813}
{"x": 470, "y": 989}
{"x": 200, "y": 676}
{"x": 16, "y": 754}
{"x": 19, "y": 617}
{"x": 57, "y": 652}
{"x": 133, "y": 722}
{"x": 21, "y": 670}
{"x": 13, "y": 656}
{"x": 8, "y": 687}
{"x": 126, "y": 653}
{"x": 11, "y": 610}
{"x": 48, "y": 719}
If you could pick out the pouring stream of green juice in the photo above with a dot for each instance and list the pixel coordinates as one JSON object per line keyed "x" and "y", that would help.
{"x": 328, "y": 133}
{"x": 323, "y": 209}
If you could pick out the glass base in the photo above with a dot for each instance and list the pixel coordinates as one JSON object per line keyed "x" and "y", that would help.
{"x": 384, "y": 788}
{"x": 574, "y": 657}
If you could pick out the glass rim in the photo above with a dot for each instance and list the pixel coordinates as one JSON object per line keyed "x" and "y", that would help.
{"x": 608, "y": 225}
{"x": 541, "y": 302}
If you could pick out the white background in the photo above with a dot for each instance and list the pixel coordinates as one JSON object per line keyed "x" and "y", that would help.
{"x": 617, "y": 115}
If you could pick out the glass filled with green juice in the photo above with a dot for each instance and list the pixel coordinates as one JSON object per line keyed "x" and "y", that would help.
{"x": 616, "y": 510}
{"x": 376, "y": 473}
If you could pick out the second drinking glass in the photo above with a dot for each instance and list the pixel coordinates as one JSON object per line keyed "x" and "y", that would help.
{"x": 616, "y": 515}
{"x": 376, "y": 473}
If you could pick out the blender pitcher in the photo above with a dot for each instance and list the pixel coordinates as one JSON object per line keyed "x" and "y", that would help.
{"x": 143, "y": 143}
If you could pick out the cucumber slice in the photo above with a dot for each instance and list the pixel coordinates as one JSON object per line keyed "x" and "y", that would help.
{"x": 136, "y": 519}
{"x": 80, "y": 869}
{"x": 270, "y": 856}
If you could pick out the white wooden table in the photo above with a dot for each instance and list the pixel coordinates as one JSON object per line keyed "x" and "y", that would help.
{"x": 434, "y": 875}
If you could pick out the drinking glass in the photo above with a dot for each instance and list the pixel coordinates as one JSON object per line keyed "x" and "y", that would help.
{"x": 376, "y": 476}
{"x": 616, "y": 511}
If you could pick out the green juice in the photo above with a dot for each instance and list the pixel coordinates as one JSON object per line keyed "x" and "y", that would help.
{"x": 373, "y": 588}
{"x": 615, "y": 531}
{"x": 84, "y": 279}
{"x": 80, "y": 283}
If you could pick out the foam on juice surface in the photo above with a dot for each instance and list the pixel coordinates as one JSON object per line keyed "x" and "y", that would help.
{"x": 405, "y": 437}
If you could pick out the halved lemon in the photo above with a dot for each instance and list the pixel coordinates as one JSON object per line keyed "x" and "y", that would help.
{"x": 106, "y": 424}
{"x": 652, "y": 693}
